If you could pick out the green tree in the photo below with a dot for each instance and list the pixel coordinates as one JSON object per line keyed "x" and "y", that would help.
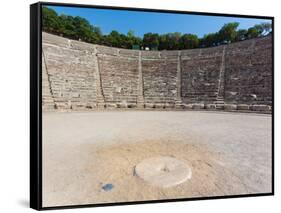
{"x": 209, "y": 40}
{"x": 51, "y": 22}
{"x": 68, "y": 28}
{"x": 96, "y": 35}
{"x": 173, "y": 41}
{"x": 189, "y": 41}
{"x": 80, "y": 29}
{"x": 83, "y": 29}
{"x": 151, "y": 40}
{"x": 131, "y": 34}
{"x": 267, "y": 28}
{"x": 241, "y": 35}
{"x": 263, "y": 28}
{"x": 163, "y": 42}
{"x": 253, "y": 32}
{"x": 114, "y": 39}
{"x": 132, "y": 39}
{"x": 228, "y": 32}
{"x": 124, "y": 42}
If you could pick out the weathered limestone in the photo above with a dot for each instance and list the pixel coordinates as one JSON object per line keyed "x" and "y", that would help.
{"x": 243, "y": 107}
{"x": 200, "y": 75}
{"x": 210, "y": 106}
{"x": 230, "y": 107}
{"x": 47, "y": 96}
{"x": 140, "y": 99}
{"x": 119, "y": 76}
{"x": 163, "y": 171}
{"x": 100, "y": 96}
{"x": 82, "y": 76}
{"x": 220, "y": 96}
{"x": 71, "y": 73}
{"x": 198, "y": 106}
{"x": 179, "y": 96}
{"x": 221, "y": 77}
{"x": 260, "y": 108}
{"x": 159, "y": 77}
{"x": 248, "y": 72}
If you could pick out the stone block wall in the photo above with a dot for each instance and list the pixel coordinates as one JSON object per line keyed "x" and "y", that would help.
{"x": 70, "y": 70}
{"x": 78, "y": 75}
{"x": 248, "y": 67}
{"x": 163, "y": 90}
{"x": 119, "y": 78}
{"x": 201, "y": 75}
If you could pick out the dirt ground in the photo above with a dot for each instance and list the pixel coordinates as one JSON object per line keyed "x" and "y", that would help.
{"x": 83, "y": 152}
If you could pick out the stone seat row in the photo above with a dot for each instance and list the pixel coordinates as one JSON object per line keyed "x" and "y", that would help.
{"x": 182, "y": 106}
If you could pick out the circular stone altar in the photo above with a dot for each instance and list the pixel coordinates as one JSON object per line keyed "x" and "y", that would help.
{"x": 163, "y": 171}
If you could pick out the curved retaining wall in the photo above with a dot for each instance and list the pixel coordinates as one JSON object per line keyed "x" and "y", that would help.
{"x": 78, "y": 75}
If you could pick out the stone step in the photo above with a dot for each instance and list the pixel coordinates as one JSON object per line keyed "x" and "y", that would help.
{"x": 219, "y": 106}
{"x": 48, "y": 101}
{"x": 48, "y": 108}
{"x": 47, "y": 96}
{"x": 219, "y": 102}
{"x": 47, "y": 93}
{"x": 46, "y": 90}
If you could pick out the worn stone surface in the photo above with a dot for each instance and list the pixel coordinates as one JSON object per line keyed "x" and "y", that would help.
{"x": 163, "y": 171}
{"x": 82, "y": 76}
{"x": 248, "y": 76}
{"x": 230, "y": 106}
{"x": 210, "y": 106}
{"x": 228, "y": 153}
{"x": 243, "y": 107}
{"x": 200, "y": 77}
{"x": 198, "y": 106}
{"x": 260, "y": 108}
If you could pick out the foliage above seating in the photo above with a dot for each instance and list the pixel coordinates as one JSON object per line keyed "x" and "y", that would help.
{"x": 79, "y": 28}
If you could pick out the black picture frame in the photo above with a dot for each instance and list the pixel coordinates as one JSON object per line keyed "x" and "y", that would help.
{"x": 36, "y": 104}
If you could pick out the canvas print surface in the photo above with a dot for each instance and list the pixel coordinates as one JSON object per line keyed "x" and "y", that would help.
{"x": 141, "y": 106}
